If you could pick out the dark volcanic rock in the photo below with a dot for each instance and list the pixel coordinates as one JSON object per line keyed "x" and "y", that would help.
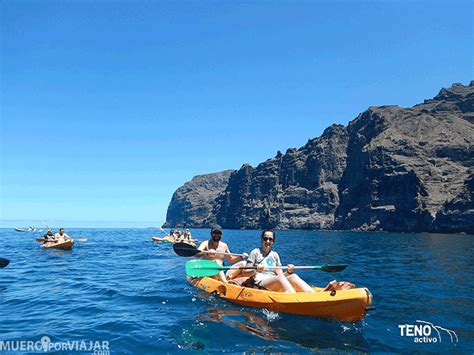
{"x": 297, "y": 189}
{"x": 393, "y": 169}
{"x": 405, "y": 165}
{"x": 192, "y": 203}
{"x": 457, "y": 215}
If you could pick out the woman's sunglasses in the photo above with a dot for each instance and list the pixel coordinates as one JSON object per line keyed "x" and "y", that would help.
{"x": 267, "y": 239}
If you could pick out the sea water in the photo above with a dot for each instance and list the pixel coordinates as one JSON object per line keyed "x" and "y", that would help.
{"x": 121, "y": 288}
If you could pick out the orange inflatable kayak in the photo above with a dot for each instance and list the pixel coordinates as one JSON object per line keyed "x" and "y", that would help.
{"x": 343, "y": 305}
{"x": 160, "y": 240}
{"x": 65, "y": 245}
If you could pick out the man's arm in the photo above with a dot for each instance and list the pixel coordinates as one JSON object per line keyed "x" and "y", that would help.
{"x": 202, "y": 247}
{"x": 231, "y": 258}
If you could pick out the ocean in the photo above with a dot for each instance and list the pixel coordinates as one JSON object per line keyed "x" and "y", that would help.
{"x": 121, "y": 288}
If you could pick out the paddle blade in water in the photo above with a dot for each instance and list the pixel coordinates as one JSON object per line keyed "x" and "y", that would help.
{"x": 201, "y": 268}
{"x": 4, "y": 262}
{"x": 333, "y": 267}
{"x": 185, "y": 249}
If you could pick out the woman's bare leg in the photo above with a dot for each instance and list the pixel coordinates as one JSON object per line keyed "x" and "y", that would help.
{"x": 275, "y": 283}
{"x": 298, "y": 282}
{"x": 221, "y": 276}
{"x": 232, "y": 274}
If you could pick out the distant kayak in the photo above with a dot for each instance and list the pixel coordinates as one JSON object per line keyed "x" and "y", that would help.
{"x": 65, "y": 245}
{"x": 161, "y": 240}
{"x": 28, "y": 230}
{"x": 169, "y": 240}
{"x": 4, "y": 262}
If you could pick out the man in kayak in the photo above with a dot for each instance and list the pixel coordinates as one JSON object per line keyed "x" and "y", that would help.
{"x": 49, "y": 236}
{"x": 266, "y": 276}
{"x": 61, "y": 236}
{"x": 215, "y": 245}
{"x": 186, "y": 238}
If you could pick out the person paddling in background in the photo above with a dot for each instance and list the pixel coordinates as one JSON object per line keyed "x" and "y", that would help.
{"x": 49, "y": 235}
{"x": 214, "y": 245}
{"x": 61, "y": 235}
{"x": 264, "y": 258}
{"x": 177, "y": 235}
{"x": 187, "y": 235}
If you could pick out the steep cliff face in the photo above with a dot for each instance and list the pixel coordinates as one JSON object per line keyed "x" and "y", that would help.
{"x": 457, "y": 215}
{"x": 192, "y": 203}
{"x": 297, "y": 189}
{"x": 405, "y": 165}
{"x": 393, "y": 169}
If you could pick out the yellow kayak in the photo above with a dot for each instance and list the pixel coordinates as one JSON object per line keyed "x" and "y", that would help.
{"x": 65, "y": 245}
{"x": 162, "y": 240}
{"x": 343, "y": 305}
{"x": 167, "y": 239}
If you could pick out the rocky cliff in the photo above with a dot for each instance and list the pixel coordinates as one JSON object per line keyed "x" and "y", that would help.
{"x": 297, "y": 189}
{"x": 392, "y": 168}
{"x": 192, "y": 203}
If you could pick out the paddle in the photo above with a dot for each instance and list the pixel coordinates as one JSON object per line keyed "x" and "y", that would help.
{"x": 171, "y": 238}
{"x": 201, "y": 268}
{"x": 161, "y": 229}
{"x": 187, "y": 250}
{"x": 4, "y": 262}
{"x": 168, "y": 237}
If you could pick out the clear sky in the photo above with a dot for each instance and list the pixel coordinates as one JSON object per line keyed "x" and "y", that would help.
{"x": 108, "y": 106}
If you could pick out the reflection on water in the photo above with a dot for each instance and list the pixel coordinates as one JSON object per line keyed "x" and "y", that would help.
{"x": 307, "y": 332}
{"x": 276, "y": 330}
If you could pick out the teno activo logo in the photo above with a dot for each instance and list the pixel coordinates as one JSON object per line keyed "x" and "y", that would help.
{"x": 426, "y": 332}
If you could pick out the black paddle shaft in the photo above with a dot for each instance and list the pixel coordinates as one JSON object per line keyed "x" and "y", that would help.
{"x": 187, "y": 250}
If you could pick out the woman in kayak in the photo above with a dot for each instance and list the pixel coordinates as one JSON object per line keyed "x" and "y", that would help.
{"x": 215, "y": 245}
{"x": 187, "y": 235}
{"x": 264, "y": 258}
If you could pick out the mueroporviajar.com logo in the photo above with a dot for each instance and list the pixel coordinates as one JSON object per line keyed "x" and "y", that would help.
{"x": 45, "y": 345}
{"x": 426, "y": 332}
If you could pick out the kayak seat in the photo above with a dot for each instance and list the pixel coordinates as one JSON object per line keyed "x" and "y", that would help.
{"x": 337, "y": 286}
{"x": 245, "y": 282}
{"x": 238, "y": 281}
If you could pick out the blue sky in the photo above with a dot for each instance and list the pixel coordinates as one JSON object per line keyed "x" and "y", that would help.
{"x": 108, "y": 106}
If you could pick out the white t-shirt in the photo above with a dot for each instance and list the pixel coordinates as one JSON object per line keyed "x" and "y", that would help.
{"x": 221, "y": 248}
{"x": 270, "y": 260}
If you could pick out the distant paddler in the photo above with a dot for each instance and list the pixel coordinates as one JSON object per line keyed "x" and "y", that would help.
{"x": 49, "y": 236}
{"x": 168, "y": 238}
{"x": 59, "y": 240}
{"x": 186, "y": 237}
{"x": 61, "y": 236}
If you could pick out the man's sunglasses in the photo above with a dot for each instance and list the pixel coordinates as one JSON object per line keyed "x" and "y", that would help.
{"x": 267, "y": 239}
